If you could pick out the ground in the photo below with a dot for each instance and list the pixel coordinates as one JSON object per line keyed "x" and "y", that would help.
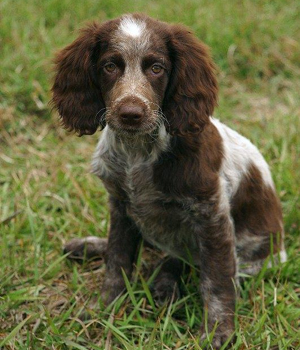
{"x": 48, "y": 195}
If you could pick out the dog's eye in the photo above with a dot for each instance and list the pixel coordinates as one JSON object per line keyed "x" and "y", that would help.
{"x": 156, "y": 69}
{"x": 110, "y": 67}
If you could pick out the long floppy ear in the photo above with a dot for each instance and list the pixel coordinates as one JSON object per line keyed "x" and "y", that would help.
{"x": 76, "y": 93}
{"x": 192, "y": 92}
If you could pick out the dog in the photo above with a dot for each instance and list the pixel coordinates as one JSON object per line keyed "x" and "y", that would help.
{"x": 176, "y": 177}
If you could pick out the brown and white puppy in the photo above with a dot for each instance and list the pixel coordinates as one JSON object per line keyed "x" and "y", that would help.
{"x": 176, "y": 177}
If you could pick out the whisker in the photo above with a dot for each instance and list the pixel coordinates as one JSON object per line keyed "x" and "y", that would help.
{"x": 102, "y": 117}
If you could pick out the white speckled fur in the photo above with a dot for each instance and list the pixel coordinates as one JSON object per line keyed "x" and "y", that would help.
{"x": 130, "y": 154}
{"x": 240, "y": 153}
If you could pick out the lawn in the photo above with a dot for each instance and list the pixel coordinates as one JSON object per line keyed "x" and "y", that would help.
{"x": 48, "y": 196}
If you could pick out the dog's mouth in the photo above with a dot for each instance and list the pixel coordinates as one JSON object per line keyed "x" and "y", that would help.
{"x": 146, "y": 128}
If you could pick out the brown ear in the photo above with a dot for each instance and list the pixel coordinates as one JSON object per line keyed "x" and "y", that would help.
{"x": 192, "y": 92}
{"x": 76, "y": 93}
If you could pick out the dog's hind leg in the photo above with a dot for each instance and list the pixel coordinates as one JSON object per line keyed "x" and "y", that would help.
{"x": 89, "y": 248}
{"x": 253, "y": 250}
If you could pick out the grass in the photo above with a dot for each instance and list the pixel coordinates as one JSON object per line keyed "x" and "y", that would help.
{"x": 48, "y": 196}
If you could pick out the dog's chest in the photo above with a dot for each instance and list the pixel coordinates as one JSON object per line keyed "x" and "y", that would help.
{"x": 163, "y": 221}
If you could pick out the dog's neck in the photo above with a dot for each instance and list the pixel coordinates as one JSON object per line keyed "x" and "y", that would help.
{"x": 116, "y": 153}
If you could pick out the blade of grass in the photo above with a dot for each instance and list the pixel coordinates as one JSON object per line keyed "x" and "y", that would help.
{"x": 15, "y": 331}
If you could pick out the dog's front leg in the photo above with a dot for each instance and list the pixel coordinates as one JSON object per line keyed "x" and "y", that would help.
{"x": 218, "y": 273}
{"x": 123, "y": 241}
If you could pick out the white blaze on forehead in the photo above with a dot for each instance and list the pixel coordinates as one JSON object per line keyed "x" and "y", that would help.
{"x": 132, "y": 27}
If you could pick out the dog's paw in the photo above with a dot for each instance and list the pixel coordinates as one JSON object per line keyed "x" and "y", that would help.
{"x": 165, "y": 290}
{"x": 86, "y": 248}
{"x": 111, "y": 290}
{"x": 220, "y": 337}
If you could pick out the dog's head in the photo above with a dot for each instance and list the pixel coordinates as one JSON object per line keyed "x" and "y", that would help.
{"x": 135, "y": 73}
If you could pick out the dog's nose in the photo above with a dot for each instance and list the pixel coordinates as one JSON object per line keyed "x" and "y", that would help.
{"x": 131, "y": 114}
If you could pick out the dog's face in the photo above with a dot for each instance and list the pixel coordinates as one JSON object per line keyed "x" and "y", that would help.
{"x": 134, "y": 73}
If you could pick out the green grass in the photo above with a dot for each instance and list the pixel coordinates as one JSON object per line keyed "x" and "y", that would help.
{"x": 48, "y": 196}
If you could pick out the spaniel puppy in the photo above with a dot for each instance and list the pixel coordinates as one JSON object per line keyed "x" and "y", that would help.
{"x": 176, "y": 177}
